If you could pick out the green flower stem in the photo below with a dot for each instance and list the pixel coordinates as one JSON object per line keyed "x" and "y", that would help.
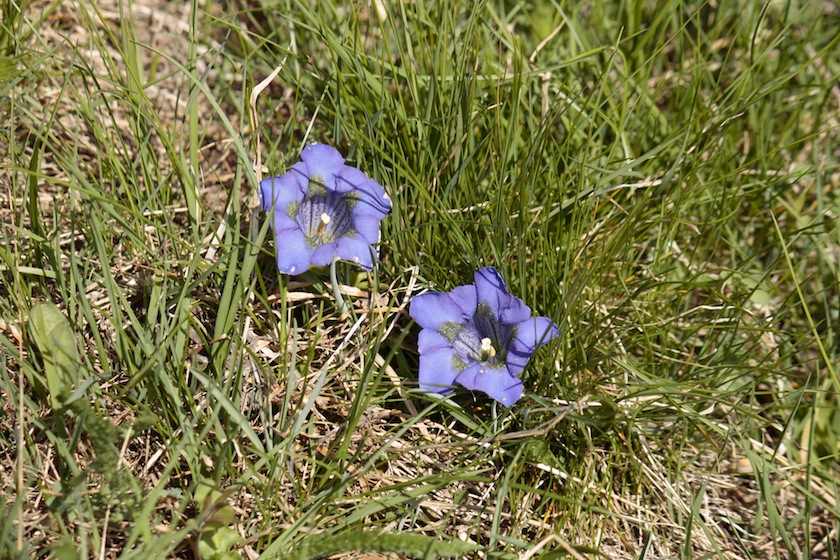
{"x": 339, "y": 300}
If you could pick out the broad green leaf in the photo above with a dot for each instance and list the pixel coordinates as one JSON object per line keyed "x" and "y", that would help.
{"x": 213, "y": 504}
{"x": 56, "y": 341}
{"x": 217, "y": 537}
{"x": 215, "y": 543}
{"x": 8, "y": 70}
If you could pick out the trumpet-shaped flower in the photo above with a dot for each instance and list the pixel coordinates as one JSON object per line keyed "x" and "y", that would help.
{"x": 323, "y": 210}
{"x": 478, "y": 336}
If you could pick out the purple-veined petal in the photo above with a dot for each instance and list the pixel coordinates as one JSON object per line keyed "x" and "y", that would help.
{"x": 293, "y": 253}
{"x": 341, "y": 219}
{"x": 277, "y": 193}
{"x": 437, "y": 371}
{"x": 491, "y": 290}
{"x": 467, "y": 344}
{"x": 322, "y": 161}
{"x": 355, "y": 249}
{"x": 432, "y": 309}
{"x": 429, "y": 340}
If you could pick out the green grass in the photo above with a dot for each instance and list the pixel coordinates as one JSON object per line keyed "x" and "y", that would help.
{"x": 657, "y": 177}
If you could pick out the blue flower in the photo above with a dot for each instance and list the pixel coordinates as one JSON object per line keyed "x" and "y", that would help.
{"x": 322, "y": 210}
{"x": 478, "y": 336}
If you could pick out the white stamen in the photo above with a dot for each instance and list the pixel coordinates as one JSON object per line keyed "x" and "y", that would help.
{"x": 322, "y": 227}
{"x": 487, "y": 347}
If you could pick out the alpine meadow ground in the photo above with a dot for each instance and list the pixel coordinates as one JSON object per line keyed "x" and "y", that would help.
{"x": 659, "y": 180}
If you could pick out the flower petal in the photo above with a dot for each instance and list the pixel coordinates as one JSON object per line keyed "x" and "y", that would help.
{"x": 432, "y": 309}
{"x": 467, "y": 377}
{"x": 277, "y": 193}
{"x": 437, "y": 371}
{"x": 356, "y": 249}
{"x": 429, "y": 340}
{"x": 495, "y": 382}
{"x": 293, "y": 253}
{"x": 372, "y": 198}
{"x": 534, "y": 332}
{"x": 323, "y": 255}
{"x": 491, "y": 290}
{"x": 367, "y": 227}
{"x": 280, "y": 220}
{"x": 465, "y": 298}
{"x": 349, "y": 179}
{"x": 516, "y": 361}
{"x": 467, "y": 344}
{"x": 505, "y": 389}
{"x": 530, "y": 335}
{"x": 322, "y": 161}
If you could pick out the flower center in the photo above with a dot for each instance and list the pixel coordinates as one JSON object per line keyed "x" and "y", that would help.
{"x": 496, "y": 334}
{"x": 324, "y": 216}
{"x": 471, "y": 347}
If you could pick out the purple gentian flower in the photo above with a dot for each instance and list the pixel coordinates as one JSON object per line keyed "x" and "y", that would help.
{"x": 478, "y": 336}
{"x": 324, "y": 210}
